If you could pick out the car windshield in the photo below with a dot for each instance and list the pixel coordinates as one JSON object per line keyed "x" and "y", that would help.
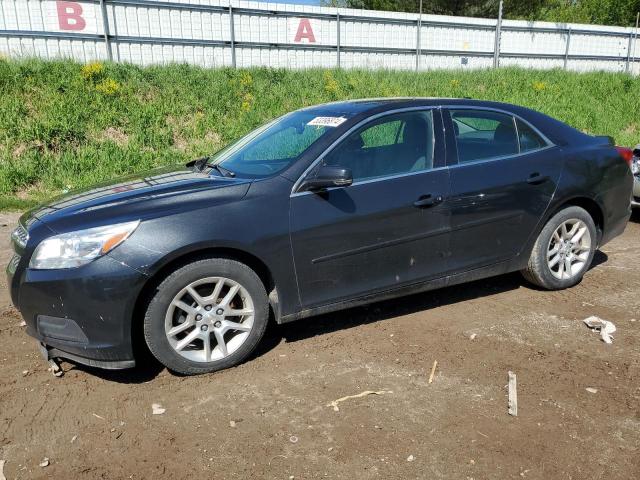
{"x": 276, "y": 145}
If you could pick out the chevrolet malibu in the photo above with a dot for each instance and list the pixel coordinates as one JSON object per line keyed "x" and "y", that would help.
{"x": 322, "y": 209}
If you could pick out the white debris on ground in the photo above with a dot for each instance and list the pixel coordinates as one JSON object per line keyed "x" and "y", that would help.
{"x": 433, "y": 371}
{"x": 513, "y": 395}
{"x": 55, "y": 368}
{"x": 591, "y": 390}
{"x": 157, "y": 409}
{"x": 605, "y": 327}
{"x": 2, "y": 477}
{"x": 44, "y": 462}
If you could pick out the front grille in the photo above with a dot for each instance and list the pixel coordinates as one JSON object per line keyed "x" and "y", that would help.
{"x": 20, "y": 236}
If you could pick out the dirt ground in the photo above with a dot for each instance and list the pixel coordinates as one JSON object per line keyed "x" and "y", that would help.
{"x": 269, "y": 417}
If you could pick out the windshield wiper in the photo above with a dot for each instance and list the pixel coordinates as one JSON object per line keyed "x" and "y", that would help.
{"x": 225, "y": 172}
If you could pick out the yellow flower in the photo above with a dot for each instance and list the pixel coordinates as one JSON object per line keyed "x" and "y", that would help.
{"x": 247, "y": 102}
{"x": 330, "y": 84}
{"x": 246, "y": 80}
{"x": 455, "y": 83}
{"x": 92, "y": 70}
{"x": 539, "y": 86}
{"x": 108, "y": 87}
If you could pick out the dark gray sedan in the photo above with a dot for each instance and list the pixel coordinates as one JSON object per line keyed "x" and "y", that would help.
{"x": 324, "y": 208}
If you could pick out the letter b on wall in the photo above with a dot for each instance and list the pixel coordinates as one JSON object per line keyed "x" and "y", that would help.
{"x": 70, "y": 16}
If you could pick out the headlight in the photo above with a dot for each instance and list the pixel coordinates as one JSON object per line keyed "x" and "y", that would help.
{"x": 78, "y": 248}
{"x": 635, "y": 165}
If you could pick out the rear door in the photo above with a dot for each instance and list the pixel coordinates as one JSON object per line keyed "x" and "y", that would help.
{"x": 503, "y": 178}
{"x": 385, "y": 230}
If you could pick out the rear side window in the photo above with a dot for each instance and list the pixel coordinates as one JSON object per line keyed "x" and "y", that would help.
{"x": 483, "y": 134}
{"x": 529, "y": 139}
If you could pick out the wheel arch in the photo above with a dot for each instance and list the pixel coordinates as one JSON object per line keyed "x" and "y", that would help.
{"x": 150, "y": 285}
{"x": 592, "y": 207}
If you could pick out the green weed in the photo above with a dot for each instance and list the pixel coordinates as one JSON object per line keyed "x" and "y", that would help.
{"x": 64, "y": 125}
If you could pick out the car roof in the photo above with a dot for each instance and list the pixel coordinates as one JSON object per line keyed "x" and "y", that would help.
{"x": 364, "y": 104}
{"x": 558, "y": 132}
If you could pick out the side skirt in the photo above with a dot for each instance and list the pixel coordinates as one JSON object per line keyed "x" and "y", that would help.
{"x": 464, "y": 277}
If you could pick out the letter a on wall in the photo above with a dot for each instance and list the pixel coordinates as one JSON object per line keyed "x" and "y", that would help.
{"x": 70, "y": 16}
{"x": 304, "y": 31}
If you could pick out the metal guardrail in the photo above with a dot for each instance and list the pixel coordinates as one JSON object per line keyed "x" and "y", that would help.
{"x": 233, "y": 43}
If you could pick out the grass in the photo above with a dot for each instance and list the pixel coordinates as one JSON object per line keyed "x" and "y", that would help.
{"x": 64, "y": 125}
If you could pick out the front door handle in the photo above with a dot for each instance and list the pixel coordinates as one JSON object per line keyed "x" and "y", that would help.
{"x": 537, "y": 179}
{"x": 426, "y": 201}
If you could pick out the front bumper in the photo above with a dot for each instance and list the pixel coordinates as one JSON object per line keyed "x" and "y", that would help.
{"x": 82, "y": 314}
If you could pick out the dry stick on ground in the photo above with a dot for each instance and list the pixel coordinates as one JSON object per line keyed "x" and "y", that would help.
{"x": 334, "y": 403}
{"x": 433, "y": 370}
{"x": 513, "y": 395}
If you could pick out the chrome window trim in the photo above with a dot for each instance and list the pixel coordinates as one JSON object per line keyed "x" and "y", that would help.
{"x": 361, "y": 123}
{"x": 549, "y": 143}
{"x": 514, "y": 116}
{"x": 373, "y": 180}
{"x": 501, "y": 157}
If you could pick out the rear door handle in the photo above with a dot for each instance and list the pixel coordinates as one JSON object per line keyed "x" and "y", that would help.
{"x": 537, "y": 179}
{"x": 426, "y": 201}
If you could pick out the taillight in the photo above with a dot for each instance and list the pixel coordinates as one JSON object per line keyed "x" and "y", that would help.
{"x": 626, "y": 154}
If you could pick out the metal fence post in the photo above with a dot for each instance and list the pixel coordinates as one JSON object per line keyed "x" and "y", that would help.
{"x": 105, "y": 28}
{"x": 626, "y": 67}
{"x": 232, "y": 31}
{"x": 635, "y": 43}
{"x": 496, "y": 47}
{"x": 566, "y": 48}
{"x": 418, "y": 35}
{"x": 337, "y": 39}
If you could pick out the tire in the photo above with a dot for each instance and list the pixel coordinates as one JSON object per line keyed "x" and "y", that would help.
{"x": 188, "y": 308}
{"x": 541, "y": 272}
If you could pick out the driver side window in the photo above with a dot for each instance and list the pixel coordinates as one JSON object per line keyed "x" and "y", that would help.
{"x": 391, "y": 145}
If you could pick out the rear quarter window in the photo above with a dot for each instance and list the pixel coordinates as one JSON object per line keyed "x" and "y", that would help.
{"x": 484, "y": 134}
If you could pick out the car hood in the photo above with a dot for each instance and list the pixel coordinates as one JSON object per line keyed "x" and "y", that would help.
{"x": 145, "y": 195}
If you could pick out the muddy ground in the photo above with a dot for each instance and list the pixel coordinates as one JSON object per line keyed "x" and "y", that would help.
{"x": 269, "y": 417}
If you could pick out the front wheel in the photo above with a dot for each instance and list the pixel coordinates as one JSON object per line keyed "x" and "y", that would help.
{"x": 206, "y": 316}
{"x": 563, "y": 251}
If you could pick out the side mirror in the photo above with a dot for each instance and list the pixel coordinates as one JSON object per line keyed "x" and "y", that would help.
{"x": 327, "y": 177}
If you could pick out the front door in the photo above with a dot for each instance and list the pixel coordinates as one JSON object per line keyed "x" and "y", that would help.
{"x": 385, "y": 230}
{"x": 504, "y": 179}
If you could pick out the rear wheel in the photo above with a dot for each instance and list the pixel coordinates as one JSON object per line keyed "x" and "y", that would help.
{"x": 206, "y": 316}
{"x": 563, "y": 251}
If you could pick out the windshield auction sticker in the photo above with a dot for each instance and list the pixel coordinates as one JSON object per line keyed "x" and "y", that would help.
{"x": 327, "y": 121}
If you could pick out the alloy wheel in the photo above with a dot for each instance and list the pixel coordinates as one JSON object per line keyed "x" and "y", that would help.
{"x": 209, "y": 319}
{"x": 569, "y": 249}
